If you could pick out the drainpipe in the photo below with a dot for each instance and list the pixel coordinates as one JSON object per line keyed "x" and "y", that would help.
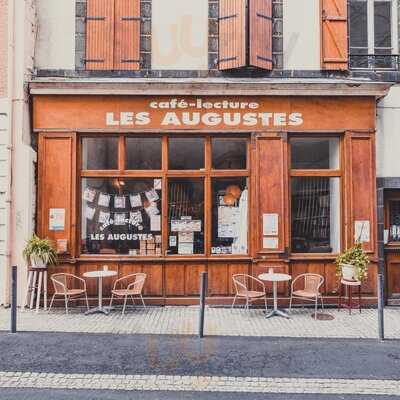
{"x": 11, "y": 141}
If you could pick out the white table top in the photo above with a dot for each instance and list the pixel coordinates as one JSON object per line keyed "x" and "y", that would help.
{"x": 274, "y": 277}
{"x": 99, "y": 274}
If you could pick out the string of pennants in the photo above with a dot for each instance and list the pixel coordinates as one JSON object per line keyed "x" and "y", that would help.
{"x": 121, "y": 202}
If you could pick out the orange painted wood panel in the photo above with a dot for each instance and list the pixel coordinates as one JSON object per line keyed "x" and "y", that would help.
{"x": 192, "y": 278}
{"x": 154, "y": 279}
{"x": 100, "y": 35}
{"x": 361, "y": 186}
{"x": 175, "y": 279}
{"x": 260, "y": 20}
{"x": 272, "y": 186}
{"x": 334, "y": 34}
{"x": 331, "y": 280}
{"x": 369, "y": 286}
{"x": 232, "y": 34}
{"x": 218, "y": 279}
{"x": 317, "y": 113}
{"x": 56, "y": 185}
{"x": 127, "y": 35}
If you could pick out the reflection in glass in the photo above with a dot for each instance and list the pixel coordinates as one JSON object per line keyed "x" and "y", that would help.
{"x": 143, "y": 153}
{"x": 100, "y": 153}
{"x": 358, "y": 27}
{"x": 229, "y": 153}
{"x": 394, "y": 221}
{"x": 315, "y": 215}
{"x": 186, "y": 153}
{"x": 308, "y": 153}
{"x": 186, "y": 216}
{"x": 121, "y": 216}
{"x": 383, "y": 34}
{"x": 229, "y": 216}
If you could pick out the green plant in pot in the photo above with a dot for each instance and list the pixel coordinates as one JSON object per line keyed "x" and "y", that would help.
{"x": 353, "y": 264}
{"x": 40, "y": 252}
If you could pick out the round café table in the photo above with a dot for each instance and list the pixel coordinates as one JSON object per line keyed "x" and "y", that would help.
{"x": 275, "y": 278}
{"x": 99, "y": 275}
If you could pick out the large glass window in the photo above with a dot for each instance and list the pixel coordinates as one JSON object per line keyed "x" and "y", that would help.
{"x": 315, "y": 198}
{"x": 373, "y": 34}
{"x": 123, "y": 179}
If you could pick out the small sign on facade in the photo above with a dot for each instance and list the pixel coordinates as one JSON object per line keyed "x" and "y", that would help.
{"x": 57, "y": 219}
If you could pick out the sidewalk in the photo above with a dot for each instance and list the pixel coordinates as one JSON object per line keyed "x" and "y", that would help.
{"x": 218, "y": 322}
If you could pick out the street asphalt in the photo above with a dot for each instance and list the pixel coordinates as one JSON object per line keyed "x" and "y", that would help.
{"x": 187, "y": 355}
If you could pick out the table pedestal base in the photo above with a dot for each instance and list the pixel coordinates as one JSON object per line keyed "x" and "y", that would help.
{"x": 277, "y": 313}
{"x": 99, "y": 310}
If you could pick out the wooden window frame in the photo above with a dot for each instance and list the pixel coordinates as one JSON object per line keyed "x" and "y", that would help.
{"x": 371, "y": 31}
{"x": 328, "y": 173}
{"x": 207, "y": 174}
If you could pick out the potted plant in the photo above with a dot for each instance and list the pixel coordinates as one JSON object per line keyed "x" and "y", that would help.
{"x": 40, "y": 252}
{"x": 352, "y": 265}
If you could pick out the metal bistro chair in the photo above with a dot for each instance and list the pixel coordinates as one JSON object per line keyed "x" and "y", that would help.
{"x": 61, "y": 288}
{"x": 241, "y": 282}
{"x": 312, "y": 284}
{"x": 133, "y": 287}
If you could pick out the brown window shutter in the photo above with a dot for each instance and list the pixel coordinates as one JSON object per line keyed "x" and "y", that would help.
{"x": 232, "y": 34}
{"x": 100, "y": 34}
{"x": 334, "y": 34}
{"x": 127, "y": 35}
{"x": 260, "y": 17}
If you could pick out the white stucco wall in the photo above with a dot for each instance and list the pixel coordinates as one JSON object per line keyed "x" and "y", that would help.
{"x": 388, "y": 134}
{"x": 180, "y": 34}
{"x": 301, "y": 35}
{"x": 55, "y": 46}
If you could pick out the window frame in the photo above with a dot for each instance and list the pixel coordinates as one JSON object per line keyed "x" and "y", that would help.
{"x": 371, "y": 55}
{"x": 322, "y": 173}
{"x": 207, "y": 174}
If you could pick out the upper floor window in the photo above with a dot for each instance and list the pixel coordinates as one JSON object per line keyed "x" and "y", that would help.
{"x": 373, "y": 34}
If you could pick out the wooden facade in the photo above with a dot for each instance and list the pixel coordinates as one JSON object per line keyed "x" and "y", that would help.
{"x": 269, "y": 124}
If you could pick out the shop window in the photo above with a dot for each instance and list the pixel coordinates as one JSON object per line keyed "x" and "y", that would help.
{"x": 186, "y": 153}
{"x": 121, "y": 216}
{"x": 100, "y": 153}
{"x": 206, "y": 182}
{"x": 308, "y": 153}
{"x": 315, "y": 198}
{"x": 229, "y": 216}
{"x": 143, "y": 153}
{"x": 394, "y": 221}
{"x": 229, "y": 153}
{"x": 373, "y": 34}
{"x": 186, "y": 216}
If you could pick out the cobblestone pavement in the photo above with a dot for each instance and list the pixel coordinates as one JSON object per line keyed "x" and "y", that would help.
{"x": 219, "y": 321}
{"x": 198, "y": 383}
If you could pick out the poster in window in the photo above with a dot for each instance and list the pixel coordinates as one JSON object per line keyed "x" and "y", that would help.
{"x": 89, "y": 195}
{"x": 119, "y": 202}
{"x": 157, "y": 184}
{"x": 186, "y": 237}
{"x": 89, "y": 213}
{"x": 228, "y": 222}
{"x": 136, "y": 200}
{"x": 185, "y": 248}
{"x": 104, "y": 217}
{"x": 155, "y": 223}
{"x": 119, "y": 219}
{"x": 152, "y": 195}
{"x": 104, "y": 200}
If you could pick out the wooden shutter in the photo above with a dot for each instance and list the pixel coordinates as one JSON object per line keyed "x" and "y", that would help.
{"x": 232, "y": 34}
{"x": 271, "y": 188}
{"x": 334, "y": 34}
{"x": 361, "y": 187}
{"x": 127, "y": 35}
{"x": 100, "y": 35}
{"x": 260, "y": 17}
{"x": 57, "y": 185}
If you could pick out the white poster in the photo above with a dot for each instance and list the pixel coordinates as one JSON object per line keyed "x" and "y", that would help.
{"x": 57, "y": 219}
{"x": 186, "y": 237}
{"x": 179, "y": 225}
{"x": 155, "y": 223}
{"x": 119, "y": 202}
{"x": 228, "y": 222}
{"x": 104, "y": 200}
{"x": 136, "y": 200}
{"x": 172, "y": 241}
{"x": 270, "y": 224}
{"x": 157, "y": 184}
{"x": 270, "y": 243}
{"x": 185, "y": 248}
{"x": 362, "y": 231}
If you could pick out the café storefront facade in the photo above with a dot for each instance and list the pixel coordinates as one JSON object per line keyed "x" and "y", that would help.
{"x": 176, "y": 184}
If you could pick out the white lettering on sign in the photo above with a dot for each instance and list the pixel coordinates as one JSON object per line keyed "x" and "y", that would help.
{"x": 209, "y": 113}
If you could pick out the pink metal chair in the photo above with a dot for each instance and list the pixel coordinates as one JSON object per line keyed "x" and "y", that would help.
{"x": 130, "y": 285}
{"x": 242, "y": 283}
{"x": 310, "y": 292}
{"x": 62, "y": 283}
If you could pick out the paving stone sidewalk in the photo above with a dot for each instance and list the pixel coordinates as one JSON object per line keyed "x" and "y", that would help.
{"x": 219, "y": 321}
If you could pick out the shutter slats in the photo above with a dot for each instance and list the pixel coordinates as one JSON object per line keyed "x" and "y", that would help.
{"x": 334, "y": 34}
{"x": 232, "y": 34}
{"x": 100, "y": 34}
{"x": 127, "y": 35}
{"x": 260, "y": 17}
